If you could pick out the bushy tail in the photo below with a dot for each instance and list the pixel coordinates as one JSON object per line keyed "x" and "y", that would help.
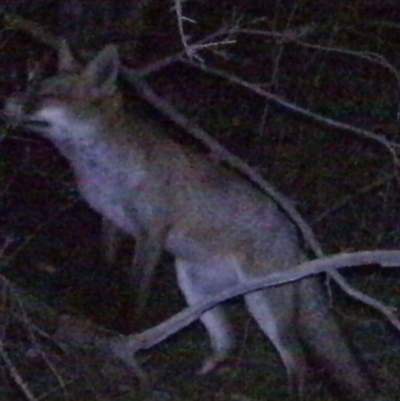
{"x": 320, "y": 332}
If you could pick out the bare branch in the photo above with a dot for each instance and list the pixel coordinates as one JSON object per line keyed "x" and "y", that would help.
{"x": 220, "y": 153}
{"x": 209, "y": 40}
{"x": 389, "y": 145}
{"x": 125, "y": 347}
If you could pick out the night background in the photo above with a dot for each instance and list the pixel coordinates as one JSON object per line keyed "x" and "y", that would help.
{"x": 323, "y": 129}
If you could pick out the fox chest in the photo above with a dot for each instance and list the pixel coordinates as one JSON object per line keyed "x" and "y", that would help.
{"x": 110, "y": 192}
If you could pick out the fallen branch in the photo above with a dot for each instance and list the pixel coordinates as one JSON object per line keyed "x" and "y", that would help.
{"x": 125, "y": 347}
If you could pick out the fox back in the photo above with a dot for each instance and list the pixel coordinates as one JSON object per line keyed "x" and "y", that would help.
{"x": 220, "y": 229}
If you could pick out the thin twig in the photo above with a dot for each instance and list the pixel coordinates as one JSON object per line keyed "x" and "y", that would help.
{"x": 31, "y": 335}
{"x": 350, "y": 198}
{"x": 389, "y": 145}
{"x": 13, "y": 371}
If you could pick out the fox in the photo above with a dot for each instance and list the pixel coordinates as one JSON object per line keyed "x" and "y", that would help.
{"x": 220, "y": 229}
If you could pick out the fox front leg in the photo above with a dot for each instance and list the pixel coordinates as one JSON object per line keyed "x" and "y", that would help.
{"x": 148, "y": 249}
{"x": 111, "y": 237}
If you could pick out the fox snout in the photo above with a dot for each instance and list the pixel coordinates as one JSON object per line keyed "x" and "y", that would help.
{"x": 19, "y": 106}
{"x": 15, "y": 106}
{"x": 20, "y": 109}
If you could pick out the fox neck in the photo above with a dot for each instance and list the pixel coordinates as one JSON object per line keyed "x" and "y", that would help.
{"x": 74, "y": 133}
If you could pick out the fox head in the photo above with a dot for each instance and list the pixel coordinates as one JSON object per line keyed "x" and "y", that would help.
{"x": 67, "y": 104}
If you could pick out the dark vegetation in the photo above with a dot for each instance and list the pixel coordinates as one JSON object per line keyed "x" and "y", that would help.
{"x": 314, "y": 54}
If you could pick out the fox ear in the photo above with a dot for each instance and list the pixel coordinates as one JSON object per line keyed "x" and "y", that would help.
{"x": 102, "y": 71}
{"x": 66, "y": 61}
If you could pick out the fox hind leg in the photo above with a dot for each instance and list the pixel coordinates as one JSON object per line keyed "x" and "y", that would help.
{"x": 197, "y": 283}
{"x": 272, "y": 310}
{"x": 278, "y": 324}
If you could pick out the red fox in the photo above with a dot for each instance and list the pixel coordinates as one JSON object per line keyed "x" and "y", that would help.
{"x": 220, "y": 229}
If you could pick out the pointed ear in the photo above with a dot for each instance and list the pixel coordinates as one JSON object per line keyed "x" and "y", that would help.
{"x": 66, "y": 61}
{"x": 102, "y": 71}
